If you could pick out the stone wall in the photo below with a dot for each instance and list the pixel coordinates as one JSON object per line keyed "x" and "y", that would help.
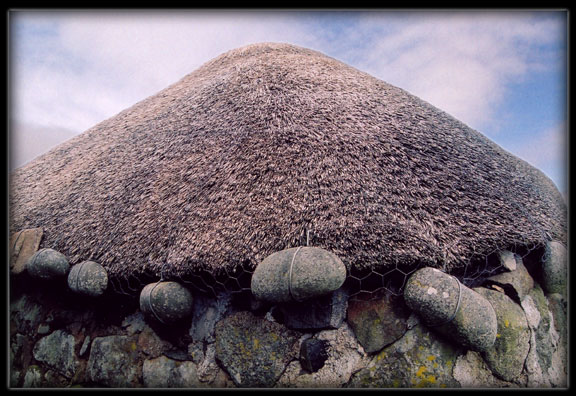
{"x": 62, "y": 339}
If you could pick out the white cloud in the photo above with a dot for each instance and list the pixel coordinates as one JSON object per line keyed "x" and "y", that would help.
{"x": 460, "y": 62}
{"x": 102, "y": 62}
{"x": 546, "y": 149}
{"x": 107, "y": 61}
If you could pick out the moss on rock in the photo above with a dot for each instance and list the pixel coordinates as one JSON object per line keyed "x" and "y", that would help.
{"x": 506, "y": 358}
{"x": 420, "y": 359}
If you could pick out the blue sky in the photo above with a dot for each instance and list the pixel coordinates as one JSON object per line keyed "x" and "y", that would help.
{"x": 501, "y": 72}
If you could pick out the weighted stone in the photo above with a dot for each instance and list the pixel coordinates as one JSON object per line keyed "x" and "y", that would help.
{"x": 297, "y": 274}
{"x": 452, "y": 308}
{"x": 88, "y": 278}
{"x": 47, "y": 264}
{"x": 168, "y": 302}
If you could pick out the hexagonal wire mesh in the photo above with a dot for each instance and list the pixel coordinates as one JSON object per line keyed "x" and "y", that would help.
{"x": 360, "y": 283}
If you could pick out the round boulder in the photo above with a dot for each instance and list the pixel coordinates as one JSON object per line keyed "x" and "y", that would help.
{"x": 168, "y": 302}
{"x": 47, "y": 264}
{"x": 88, "y": 278}
{"x": 507, "y": 357}
{"x": 554, "y": 269}
{"x": 297, "y": 274}
{"x": 452, "y": 308}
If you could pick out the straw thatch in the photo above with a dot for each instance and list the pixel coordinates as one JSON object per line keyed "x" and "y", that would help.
{"x": 266, "y": 145}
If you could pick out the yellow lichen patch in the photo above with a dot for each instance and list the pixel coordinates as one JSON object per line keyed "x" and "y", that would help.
{"x": 419, "y": 284}
{"x": 426, "y": 382}
{"x": 420, "y": 372}
{"x": 431, "y": 357}
{"x": 133, "y": 346}
{"x": 506, "y": 323}
{"x": 256, "y": 343}
{"x": 380, "y": 356}
{"x": 244, "y": 351}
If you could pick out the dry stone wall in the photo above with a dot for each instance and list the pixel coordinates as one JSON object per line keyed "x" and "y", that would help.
{"x": 61, "y": 339}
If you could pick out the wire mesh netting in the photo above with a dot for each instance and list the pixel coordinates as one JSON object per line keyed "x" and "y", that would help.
{"x": 360, "y": 283}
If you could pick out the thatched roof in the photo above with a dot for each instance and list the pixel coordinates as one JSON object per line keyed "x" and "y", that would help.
{"x": 265, "y": 143}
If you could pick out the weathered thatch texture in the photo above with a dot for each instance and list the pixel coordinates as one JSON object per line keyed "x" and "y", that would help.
{"x": 244, "y": 155}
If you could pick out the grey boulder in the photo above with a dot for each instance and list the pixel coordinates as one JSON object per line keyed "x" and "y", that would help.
{"x": 554, "y": 268}
{"x": 47, "y": 264}
{"x": 506, "y": 358}
{"x": 253, "y": 350}
{"x": 167, "y": 302}
{"x": 88, "y": 278}
{"x": 452, "y": 308}
{"x": 297, "y": 274}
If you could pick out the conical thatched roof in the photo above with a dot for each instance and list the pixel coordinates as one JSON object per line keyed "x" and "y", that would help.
{"x": 265, "y": 143}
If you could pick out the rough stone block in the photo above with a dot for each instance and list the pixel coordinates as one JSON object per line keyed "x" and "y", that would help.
{"x": 253, "y": 350}
{"x": 163, "y": 372}
{"x": 517, "y": 283}
{"x": 23, "y": 245}
{"x": 507, "y": 259}
{"x": 113, "y": 361}
{"x": 344, "y": 358}
{"x": 57, "y": 351}
{"x": 420, "y": 359}
{"x": 378, "y": 322}
{"x": 506, "y": 358}
{"x": 206, "y": 312}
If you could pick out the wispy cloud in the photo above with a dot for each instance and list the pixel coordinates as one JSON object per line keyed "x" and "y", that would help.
{"x": 547, "y": 150}
{"x": 461, "y": 62}
{"x": 107, "y": 61}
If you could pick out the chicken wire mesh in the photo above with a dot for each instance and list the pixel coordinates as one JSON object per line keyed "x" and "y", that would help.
{"x": 362, "y": 284}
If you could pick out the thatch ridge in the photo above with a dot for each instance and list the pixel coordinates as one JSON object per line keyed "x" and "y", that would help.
{"x": 269, "y": 142}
